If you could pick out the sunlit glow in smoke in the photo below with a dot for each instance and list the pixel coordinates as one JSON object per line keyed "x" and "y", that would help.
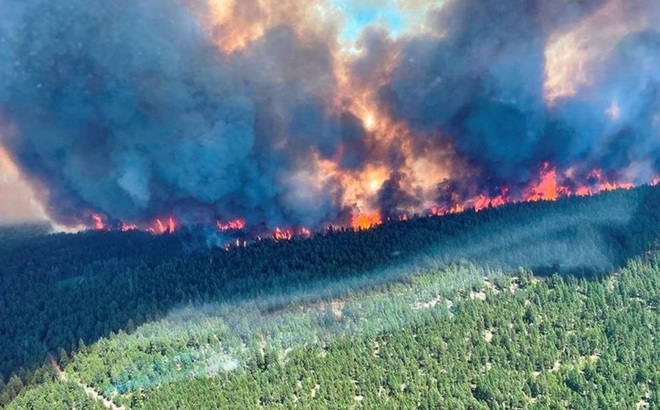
{"x": 573, "y": 55}
{"x": 296, "y": 116}
{"x": 17, "y": 200}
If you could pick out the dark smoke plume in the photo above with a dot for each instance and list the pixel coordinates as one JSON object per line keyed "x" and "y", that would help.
{"x": 132, "y": 109}
{"x": 127, "y": 108}
{"x": 479, "y": 77}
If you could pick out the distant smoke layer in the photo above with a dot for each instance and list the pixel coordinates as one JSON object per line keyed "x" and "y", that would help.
{"x": 137, "y": 110}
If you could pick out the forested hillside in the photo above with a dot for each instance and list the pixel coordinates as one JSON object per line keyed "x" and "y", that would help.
{"x": 520, "y": 342}
{"x": 396, "y": 316}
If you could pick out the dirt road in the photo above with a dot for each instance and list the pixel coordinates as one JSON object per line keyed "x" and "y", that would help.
{"x": 88, "y": 390}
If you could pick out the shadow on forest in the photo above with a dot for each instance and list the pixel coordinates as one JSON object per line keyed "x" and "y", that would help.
{"x": 60, "y": 289}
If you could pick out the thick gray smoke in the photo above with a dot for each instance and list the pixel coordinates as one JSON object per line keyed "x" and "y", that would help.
{"x": 478, "y": 80}
{"x": 128, "y": 109}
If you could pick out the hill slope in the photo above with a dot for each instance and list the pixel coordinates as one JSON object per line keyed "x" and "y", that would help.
{"x": 515, "y": 342}
{"x": 275, "y": 310}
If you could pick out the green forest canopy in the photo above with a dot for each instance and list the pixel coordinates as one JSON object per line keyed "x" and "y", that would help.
{"x": 191, "y": 318}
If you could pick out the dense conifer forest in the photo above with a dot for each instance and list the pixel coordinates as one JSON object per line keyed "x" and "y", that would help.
{"x": 539, "y": 305}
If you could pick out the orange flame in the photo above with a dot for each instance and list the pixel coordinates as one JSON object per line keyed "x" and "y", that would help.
{"x": 99, "y": 225}
{"x": 550, "y": 185}
{"x": 128, "y": 227}
{"x": 282, "y": 234}
{"x": 235, "y": 225}
{"x": 361, "y": 221}
{"x": 484, "y": 201}
{"x": 442, "y": 210}
{"x": 548, "y": 188}
{"x": 161, "y": 227}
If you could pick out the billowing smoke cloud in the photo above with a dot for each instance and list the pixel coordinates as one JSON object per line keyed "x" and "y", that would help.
{"x": 481, "y": 79}
{"x": 219, "y": 110}
{"x": 128, "y": 109}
